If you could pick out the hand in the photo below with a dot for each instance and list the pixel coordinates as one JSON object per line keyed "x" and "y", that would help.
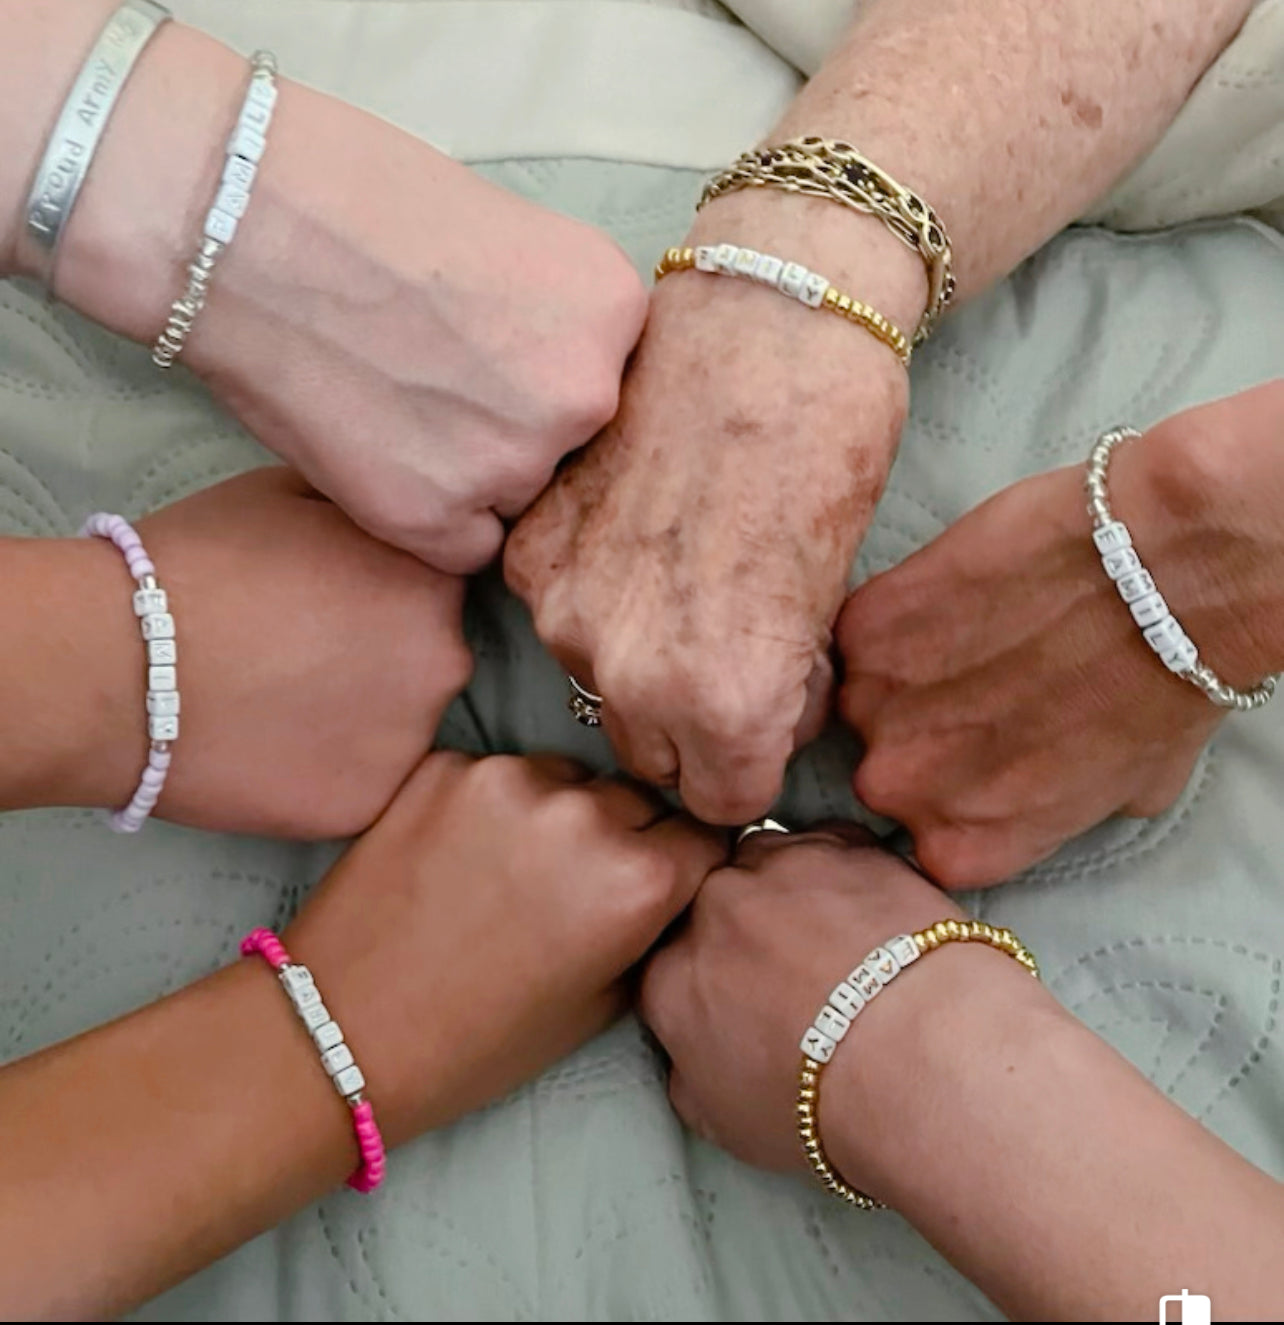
{"x": 314, "y": 662}
{"x": 767, "y": 938}
{"x": 480, "y": 931}
{"x": 1006, "y": 698}
{"x": 689, "y": 566}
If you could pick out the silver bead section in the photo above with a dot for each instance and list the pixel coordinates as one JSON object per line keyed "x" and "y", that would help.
{"x": 1136, "y": 586}
{"x": 245, "y": 149}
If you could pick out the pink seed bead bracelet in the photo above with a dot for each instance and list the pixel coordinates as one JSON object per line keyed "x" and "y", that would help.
{"x": 151, "y": 606}
{"x": 336, "y": 1056}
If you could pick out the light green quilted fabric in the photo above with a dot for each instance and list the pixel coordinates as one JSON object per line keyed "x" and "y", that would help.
{"x": 580, "y": 1197}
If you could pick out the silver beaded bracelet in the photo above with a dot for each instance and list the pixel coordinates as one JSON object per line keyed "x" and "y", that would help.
{"x": 245, "y": 150}
{"x": 1136, "y": 586}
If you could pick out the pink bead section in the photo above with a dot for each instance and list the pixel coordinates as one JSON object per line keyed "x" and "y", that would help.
{"x": 116, "y": 529}
{"x": 374, "y": 1156}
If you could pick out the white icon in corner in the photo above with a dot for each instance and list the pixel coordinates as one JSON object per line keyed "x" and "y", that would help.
{"x": 1196, "y": 1309}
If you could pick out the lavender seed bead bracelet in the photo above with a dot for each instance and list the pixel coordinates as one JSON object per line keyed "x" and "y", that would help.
{"x": 151, "y": 606}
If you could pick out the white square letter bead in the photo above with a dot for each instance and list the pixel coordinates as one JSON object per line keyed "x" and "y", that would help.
{"x": 816, "y": 1044}
{"x": 162, "y": 652}
{"x": 147, "y": 601}
{"x": 326, "y": 1035}
{"x": 883, "y": 965}
{"x": 1123, "y": 562}
{"x": 792, "y": 279}
{"x": 233, "y": 200}
{"x": 1111, "y": 537}
{"x": 813, "y": 291}
{"x": 1134, "y": 586}
{"x": 162, "y": 678}
{"x": 865, "y": 982}
{"x": 162, "y": 729}
{"x": 904, "y": 949}
{"x": 336, "y": 1059}
{"x": 768, "y": 269}
{"x": 705, "y": 259}
{"x": 349, "y": 1081}
{"x": 1182, "y": 657}
{"x": 315, "y": 1017}
{"x": 255, "y": 115}
{"x": 239, "y": 172}
{"x": 158, "y": 625}
{"x": 746, "y": 261}
{"x": 247, "y": 142}
{"x": 164, "y": 703}
{"x": 220, "y": 226}
{"x": 262, "y": 93}
{"x": 832, "y": 1023}
{"x": 846, "y": 1000}
{"x": 1165, "y": 636}
{"x": 295, "y": 977}
{"x": 305, "y": 997}
{"x": 724, "y": 257}
{"x": 1146, "y": 611}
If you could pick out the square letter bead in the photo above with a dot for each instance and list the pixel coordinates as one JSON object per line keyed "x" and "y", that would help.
{"x": 162, "y": 652}
{"x": 147, "y": 601}
{"x": 793, "y": 278}
{"x": 247, "y": 142}
{"x": 220, "y": 226}
{"x": 813, "y": 291}
{"x": 336, "y": 1059}
{"x": 349, "y": 1081}
{"x": 1123, "y": 562}
{"x": 704, "y": 258}
{"x": 832, "y": 1023}
{"x": 239, "y": 172}
{"x": 255, "y": 116}
{"x": 883, "y": 965}
{"x": 768, "y": 269}
{"x": 261, "y": 93}
{"x": 1165, "y": 636}
{"x": 164, "y": 703}
{"x": 315, "y": 1017}
{"x": 162, "y": 678}
{"x": 158, "y": 625}
{"x": 1146, "y": 611}
{"x": 746, "y": 261}
{"x": 903, "y": 949}
{"x": 233, "y": 200}
{"x": 724, "y": 257}
{"x": 865, "y": 982}
{"x": 846, "y": 1000}
{"x": 816, "y": 1044}
{"x": 162, "y": 729}
{"x": 295, "y": 977}
{"x": 326, "y": 1035}
{"x": 1134, "y": 586}
{"x": 1182, "y": 657}
{"x": 305, "y": 997}
{"x": 1111, "y": 537}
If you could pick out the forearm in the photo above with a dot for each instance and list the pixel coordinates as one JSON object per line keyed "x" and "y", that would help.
{"x": 1043, "y": 1165}
{"x": 143, "y": 1151}
{"x": 71, "y": 676}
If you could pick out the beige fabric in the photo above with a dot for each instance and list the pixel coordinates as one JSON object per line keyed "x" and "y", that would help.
{"x": 673, "y": 83}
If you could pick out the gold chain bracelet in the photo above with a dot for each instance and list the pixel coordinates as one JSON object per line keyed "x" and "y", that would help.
{"x": 846, "y": 1002}
{"x": 789, "y": 278}
{"x": 825, "y": 168}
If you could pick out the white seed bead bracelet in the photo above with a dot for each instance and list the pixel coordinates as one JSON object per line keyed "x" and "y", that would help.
{"x": 245, "y": 150}
{"x": 1159, "y": 627}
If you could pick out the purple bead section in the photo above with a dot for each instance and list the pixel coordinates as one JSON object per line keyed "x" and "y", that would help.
{"x": 116, "y": 529}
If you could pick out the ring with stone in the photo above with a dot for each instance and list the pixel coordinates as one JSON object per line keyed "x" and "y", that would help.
{"x": 585, "y": 706}
{"x": 760, "y": 826}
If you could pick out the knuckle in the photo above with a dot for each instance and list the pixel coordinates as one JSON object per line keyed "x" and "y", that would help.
{"x": 957, "y": 861}
{"x": 880, "y": 785}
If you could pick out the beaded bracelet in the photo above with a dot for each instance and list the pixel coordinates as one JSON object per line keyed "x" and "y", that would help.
{"x": 336, "y": 1056}
{"x": 1136, "y": 586}
{"x": 151, "y": 606}
{"x": 790, "y": 278}
{"x": 845, "y": 1004}
{"x": 245, "y": 150}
